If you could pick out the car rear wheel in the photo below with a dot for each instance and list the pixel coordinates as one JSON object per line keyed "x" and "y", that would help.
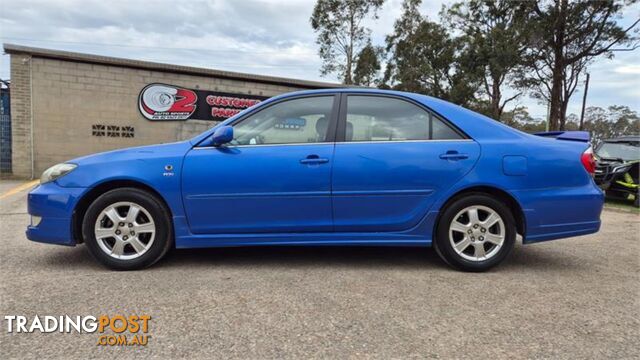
{"x": 475, "y": 233}
{"x": 127, "y": 229}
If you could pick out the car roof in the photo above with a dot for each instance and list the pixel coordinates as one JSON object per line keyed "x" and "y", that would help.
{"x": 358, "y": 89}
{"x": 475, "y": 125}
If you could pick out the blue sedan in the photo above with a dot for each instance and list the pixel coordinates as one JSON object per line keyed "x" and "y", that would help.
{"x": 327, "y": 167}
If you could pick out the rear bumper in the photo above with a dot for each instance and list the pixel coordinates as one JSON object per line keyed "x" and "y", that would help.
{"x": 564, "y": 231}
{"x": 54, "y": 206}
{"x": 561, "y": 212}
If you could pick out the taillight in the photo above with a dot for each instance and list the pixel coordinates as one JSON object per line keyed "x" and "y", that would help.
{"x": 589, "y": 161}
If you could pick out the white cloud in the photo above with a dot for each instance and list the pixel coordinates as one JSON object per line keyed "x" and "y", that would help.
{"x": 271, "y": 37}
{"x": 628, "y": 69}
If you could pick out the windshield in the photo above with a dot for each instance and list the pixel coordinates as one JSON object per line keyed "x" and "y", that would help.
{"x": 625, "y": 151}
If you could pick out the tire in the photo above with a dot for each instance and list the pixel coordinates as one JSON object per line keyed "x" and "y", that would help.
{"x": 134, "y": 241}
{"x": 493, "y": 234}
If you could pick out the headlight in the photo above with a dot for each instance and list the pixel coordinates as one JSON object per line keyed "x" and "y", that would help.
{"x": 56, "y": 171}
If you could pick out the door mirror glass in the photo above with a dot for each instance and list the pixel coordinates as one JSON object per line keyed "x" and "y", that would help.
{"x": 222, "y": 135}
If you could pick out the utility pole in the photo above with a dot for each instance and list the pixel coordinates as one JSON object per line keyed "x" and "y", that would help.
{"x": 584, "y": 102}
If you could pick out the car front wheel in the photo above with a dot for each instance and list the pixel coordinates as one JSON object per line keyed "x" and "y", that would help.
{"x": 475, "y": 233}
{"x": 127, "y": 229}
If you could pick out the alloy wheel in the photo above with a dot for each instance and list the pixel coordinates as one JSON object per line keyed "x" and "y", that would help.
{"x": 125, "y": 230}
{"x": 477, "y": 233}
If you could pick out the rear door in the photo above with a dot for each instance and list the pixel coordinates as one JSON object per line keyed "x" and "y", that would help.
{"x": 391, "y": 160}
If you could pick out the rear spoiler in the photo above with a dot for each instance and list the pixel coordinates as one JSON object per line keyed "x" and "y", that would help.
{"x": 582, "y": 136}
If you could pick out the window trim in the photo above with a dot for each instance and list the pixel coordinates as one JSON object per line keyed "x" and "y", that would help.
{"x": 331, "y": 129}
{"x": 342, "y": 120}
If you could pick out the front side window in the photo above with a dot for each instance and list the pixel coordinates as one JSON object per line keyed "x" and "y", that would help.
{"x": 376, "y": 118}
{"x": 303, "y": 120}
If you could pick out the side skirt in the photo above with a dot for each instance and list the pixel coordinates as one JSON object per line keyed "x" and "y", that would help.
{"x": 420, "y": 235}
{"x": 297, "y": 240}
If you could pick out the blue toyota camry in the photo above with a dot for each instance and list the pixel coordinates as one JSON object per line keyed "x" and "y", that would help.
{"x": 327, "y": 167}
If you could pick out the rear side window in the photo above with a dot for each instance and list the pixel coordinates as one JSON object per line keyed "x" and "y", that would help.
{"x": 377, "y": 118}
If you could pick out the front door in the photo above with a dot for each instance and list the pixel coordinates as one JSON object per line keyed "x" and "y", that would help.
{"x": 275, "y": 176}
{"x": 394, "y": 159}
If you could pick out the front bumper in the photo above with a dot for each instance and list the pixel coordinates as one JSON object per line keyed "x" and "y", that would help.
{"x": 54, "y": 206}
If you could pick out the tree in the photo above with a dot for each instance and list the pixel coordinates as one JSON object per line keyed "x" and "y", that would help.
{"x": 539, "y": 87}
{"x": 341, "y": 34}
{"x": 520, "y": 119}
{"x": 494, "y": 38}
{"x": 567, "y": 36}
{"x": 397, "y": 44}
{"x": 368, "y": 65}
{"x": 614, "y": 121}
{"x": 424, "y": 58}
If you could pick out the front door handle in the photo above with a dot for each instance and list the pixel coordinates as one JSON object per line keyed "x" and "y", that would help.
{"x": 453, "y": 156}
{"x": 314, "y": 159}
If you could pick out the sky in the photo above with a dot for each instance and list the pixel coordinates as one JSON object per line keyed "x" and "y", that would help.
{"x": 268, "y": 37}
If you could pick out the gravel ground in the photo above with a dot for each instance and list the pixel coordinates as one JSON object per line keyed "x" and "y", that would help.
{"x": 572, "y": 298}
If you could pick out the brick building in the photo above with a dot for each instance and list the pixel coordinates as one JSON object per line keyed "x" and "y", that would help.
{"x": 65, "y": 105}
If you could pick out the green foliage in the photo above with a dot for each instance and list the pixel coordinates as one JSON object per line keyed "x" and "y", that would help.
{"x": 424, "y": 58}
{"x": 520, "y": 119}
{"x": 608, "y": 123}
{"x": 367, "y": 66}
{"x": 567, "y": 36}
{"x": 341, "y": 35}
{"x": 494, "y": 35}
{"x": 478, "y": 49}
{"x": 603, "y": 124}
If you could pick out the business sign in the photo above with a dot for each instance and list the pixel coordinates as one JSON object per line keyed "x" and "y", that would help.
{"x": 161, "y": 102}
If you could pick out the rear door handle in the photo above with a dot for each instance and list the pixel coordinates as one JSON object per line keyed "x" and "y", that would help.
{"x": 453, "y": 155}
{"x": 314, "y": 159}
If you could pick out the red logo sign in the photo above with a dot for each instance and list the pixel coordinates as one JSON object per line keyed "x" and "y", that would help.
{"x": 166, "y": 102}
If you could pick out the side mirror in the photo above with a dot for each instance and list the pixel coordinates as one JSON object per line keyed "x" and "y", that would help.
{"x": 222, "y": 135}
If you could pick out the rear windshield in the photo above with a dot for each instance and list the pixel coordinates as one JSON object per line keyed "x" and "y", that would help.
{"x": 619, "y": 150}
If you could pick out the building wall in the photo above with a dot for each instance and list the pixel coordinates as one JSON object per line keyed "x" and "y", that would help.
{"x": 68, "y": 97}
{"x": 21, "y": 115}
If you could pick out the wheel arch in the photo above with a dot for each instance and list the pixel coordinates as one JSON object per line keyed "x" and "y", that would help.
{"x": 88, "y": 198}
{"x": 502, "y": 195}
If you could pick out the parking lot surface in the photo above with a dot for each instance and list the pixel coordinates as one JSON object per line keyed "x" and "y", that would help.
{"x": 572, "y": 298}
